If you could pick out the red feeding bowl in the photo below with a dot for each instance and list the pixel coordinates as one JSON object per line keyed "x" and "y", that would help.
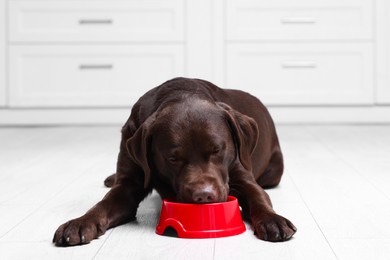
{"x": 201, "y": 220}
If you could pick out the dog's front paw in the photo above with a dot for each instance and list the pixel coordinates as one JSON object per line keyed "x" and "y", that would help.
{"x": 78, "y": 231}
{"x": 274, "y": 228}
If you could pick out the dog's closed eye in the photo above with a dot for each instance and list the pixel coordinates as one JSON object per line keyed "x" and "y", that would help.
{"x": 173, "y": 159}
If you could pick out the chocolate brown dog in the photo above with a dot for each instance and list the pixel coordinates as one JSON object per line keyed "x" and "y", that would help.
{"x": 191, "y": 140}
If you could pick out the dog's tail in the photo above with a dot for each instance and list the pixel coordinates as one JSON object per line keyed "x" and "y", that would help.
{"x": 110, "y": 180}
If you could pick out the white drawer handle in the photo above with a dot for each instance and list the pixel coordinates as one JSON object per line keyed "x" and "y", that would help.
{"x": 299, "y": 65}
{"x": 95, "y": 21}
{"x": 298, "y": 20}
{"x": 96, "y": 67}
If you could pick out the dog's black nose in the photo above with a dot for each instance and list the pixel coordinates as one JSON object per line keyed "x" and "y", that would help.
{"x": 205, "y": 195}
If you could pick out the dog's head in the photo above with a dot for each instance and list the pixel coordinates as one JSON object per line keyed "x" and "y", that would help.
{"x": 192, "y": 146}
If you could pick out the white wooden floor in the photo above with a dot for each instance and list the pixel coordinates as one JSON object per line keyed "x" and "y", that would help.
{"x": 336, "y": 190}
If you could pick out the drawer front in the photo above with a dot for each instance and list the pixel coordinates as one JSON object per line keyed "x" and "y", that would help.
{"x": 91, "y": 21}
{"x": 303, "y": 74}
{"x": 300, "y": 20}
{"x": 86, "y": 76}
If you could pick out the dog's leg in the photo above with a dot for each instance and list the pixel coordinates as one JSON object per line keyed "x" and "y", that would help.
{"x": 273, "y": 174}
{"x": 256, "y": 204}
{"x": 117, "y": 207}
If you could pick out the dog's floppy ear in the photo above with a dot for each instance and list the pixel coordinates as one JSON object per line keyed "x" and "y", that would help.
{"x": 139, "y": 146}
{"x": 245, "y": 133}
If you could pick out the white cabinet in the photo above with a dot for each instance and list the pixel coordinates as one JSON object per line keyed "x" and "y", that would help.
{"x": 301, "y": 52}
{"x": 3, "y": 59}
{"x": 302, "y": 73}
{"x": 97, "y": 75}
{"x": 299, "y": 19}
{"x": 316, "y": 56}
{"x": 92, "y": 53}
{"x": 383, "y": 52}
{"x": 96, "y": 21}
{"x": 83, "y": 53}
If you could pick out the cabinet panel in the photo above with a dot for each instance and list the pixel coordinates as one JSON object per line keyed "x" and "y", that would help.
{"x": 82, "y": 76}
{"x": 299, "y": 19}
{"x": 303, "y": 74}
{"x": 103, "y": 21}
{"x": 383, "y": 52}
{"x": 2, "y": 56}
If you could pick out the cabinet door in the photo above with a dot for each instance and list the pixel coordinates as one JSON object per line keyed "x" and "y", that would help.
{"x": 383, "y": 52}
{"x": 2, "y": 56}
{"x": 89, "y": 76}
{"x": 299, "y": 19}
{"x": 96, "y": 21}
{"x": 303, "y": 74}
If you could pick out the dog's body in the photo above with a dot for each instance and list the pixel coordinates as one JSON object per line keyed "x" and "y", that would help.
{"x": 194, "y": 141}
